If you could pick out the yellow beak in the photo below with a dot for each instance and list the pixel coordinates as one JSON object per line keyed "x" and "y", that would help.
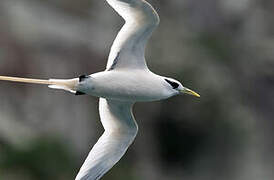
{"x": 190, "y": 92}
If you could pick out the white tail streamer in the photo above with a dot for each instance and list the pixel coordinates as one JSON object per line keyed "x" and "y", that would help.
{"x": 65, "y": 84}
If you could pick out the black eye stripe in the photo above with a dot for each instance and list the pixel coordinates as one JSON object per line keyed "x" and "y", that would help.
{"x": 173, "y": 84}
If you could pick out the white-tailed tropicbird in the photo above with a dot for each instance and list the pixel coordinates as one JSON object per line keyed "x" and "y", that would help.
{"x": 125, "y": 81}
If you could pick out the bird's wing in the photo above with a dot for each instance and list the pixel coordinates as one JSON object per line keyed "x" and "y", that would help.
{"x": 120, "y": 130}
{"x": 128, "y": 48}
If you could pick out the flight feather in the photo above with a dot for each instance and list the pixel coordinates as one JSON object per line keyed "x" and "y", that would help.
{"x": 128, "y": 48}
{"x": 120, "y": 130}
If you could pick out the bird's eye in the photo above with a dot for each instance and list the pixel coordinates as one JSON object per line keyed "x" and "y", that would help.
{"x": 173, "y": 84}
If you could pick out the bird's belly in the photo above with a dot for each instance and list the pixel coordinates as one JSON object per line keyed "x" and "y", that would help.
{"x": 128, "y": 88}
{"x": 126, "y": 93}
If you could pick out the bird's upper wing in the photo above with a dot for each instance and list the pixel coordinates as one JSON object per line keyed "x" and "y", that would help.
{"x": 120, "y": 130}
{"x": 128, "y": 48}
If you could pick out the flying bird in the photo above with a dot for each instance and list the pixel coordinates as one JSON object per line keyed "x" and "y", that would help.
{"x": 126, "y": 80}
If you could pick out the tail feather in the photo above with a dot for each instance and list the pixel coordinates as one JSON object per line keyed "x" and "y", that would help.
{"x": 65, "y": 84}
{"x": 25, "y": 80}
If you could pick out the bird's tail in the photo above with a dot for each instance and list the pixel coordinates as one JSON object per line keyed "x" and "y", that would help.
{"x": 65, "y": 84}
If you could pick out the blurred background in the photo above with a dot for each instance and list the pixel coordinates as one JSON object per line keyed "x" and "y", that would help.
{"x": 223, "y": 49}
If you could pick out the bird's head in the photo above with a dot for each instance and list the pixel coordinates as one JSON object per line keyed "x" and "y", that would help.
{"x": 177, "y": 88}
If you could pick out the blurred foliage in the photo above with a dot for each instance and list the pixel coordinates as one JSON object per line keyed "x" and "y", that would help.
{"x": 43, "y": 158}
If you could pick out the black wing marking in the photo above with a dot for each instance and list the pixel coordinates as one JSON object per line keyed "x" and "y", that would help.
{"x": 114, "y": 62}
{"x": 79, "y": 93}
{"x": 83, "y": 77}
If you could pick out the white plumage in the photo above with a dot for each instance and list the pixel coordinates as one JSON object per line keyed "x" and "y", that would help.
{"x": 120, "y": 130}
{"x": 125, "y": 81}
{"x": 129, "y": 46}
